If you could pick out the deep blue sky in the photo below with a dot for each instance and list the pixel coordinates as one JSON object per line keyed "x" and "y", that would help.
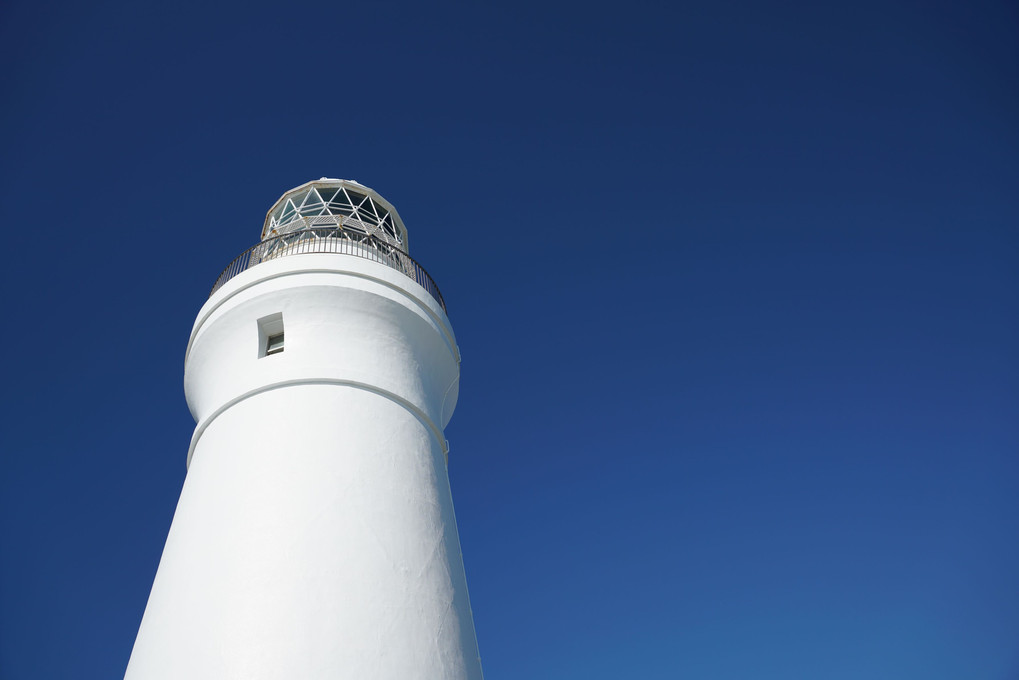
{"x": 735, "y": 285}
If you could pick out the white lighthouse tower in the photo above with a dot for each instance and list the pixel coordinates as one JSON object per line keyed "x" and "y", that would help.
{"x": 315, "y": 536}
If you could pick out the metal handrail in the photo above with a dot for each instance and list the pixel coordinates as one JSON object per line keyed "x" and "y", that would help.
{"x": 333, "y": 239}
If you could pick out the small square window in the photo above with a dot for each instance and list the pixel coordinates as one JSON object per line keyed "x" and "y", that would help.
{"x": 270, "y": 335}
{"x": 274, "y": 345}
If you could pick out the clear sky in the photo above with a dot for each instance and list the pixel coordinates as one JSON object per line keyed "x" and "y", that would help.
{"x": 735, "y": 285}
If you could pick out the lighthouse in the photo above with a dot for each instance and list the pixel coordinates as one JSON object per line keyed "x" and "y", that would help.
{"x": 315, "y": 536}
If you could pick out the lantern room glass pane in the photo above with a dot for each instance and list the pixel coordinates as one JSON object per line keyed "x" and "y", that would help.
{"x": 298, "y": 199}
{"x": 355, "y": 198}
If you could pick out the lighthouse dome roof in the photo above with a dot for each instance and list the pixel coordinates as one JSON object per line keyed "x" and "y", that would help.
{"x": 342, "y": 202}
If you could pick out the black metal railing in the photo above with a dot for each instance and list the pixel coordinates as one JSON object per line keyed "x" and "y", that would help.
{"x": 333, "y": 239}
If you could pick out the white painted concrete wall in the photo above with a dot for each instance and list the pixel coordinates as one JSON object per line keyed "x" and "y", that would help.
{"x": 315, "y": 536}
